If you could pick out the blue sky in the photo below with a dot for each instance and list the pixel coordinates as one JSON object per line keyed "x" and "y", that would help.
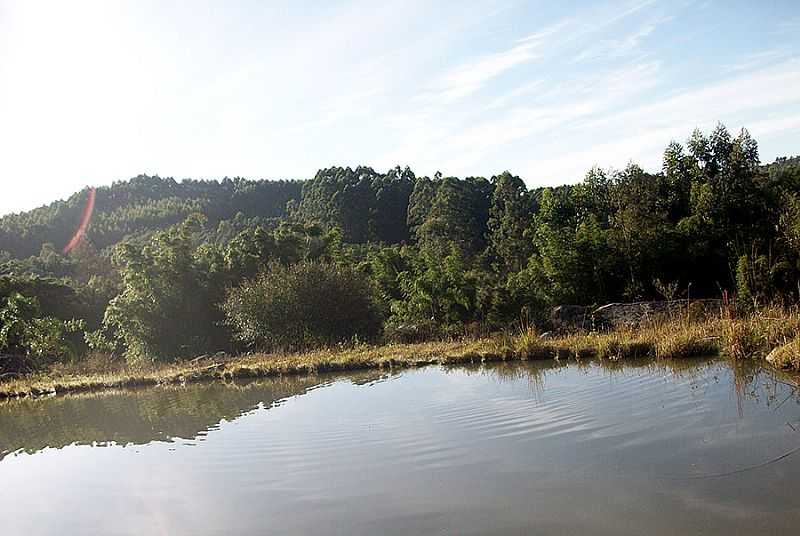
{"x": 92, "y": 92}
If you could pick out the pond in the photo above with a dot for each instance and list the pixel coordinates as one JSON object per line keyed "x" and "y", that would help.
{"x": 546, "y": 448}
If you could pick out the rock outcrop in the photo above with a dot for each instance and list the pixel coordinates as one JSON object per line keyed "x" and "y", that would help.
{"x": 618, "y": 315}
{"x": 571, "y": 317}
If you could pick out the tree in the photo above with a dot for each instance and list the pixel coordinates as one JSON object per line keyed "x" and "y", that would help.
{"x": 458, "y": 215}
{"x": 24, "y": 331}
{"x": 437, "y": 290}
{"x": 304, "y": 305}
{"x": 167, "y": 307}
{"x": 388, "y": 217}
{"x": 363, "y": 204}
{"x": 440, "y": 252}
{"x": 509, "y": 217}
{"x": 728, "y": 166}
{"x": 639, "y": 229}
{"x": 420, "y": 202}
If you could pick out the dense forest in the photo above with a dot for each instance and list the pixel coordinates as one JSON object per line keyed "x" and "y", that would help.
{"x": 169, "y": 269}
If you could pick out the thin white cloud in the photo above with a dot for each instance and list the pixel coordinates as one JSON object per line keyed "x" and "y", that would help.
{"x": 597, "y": 121}
{"x": 617, "y": 48}
{"x": 759, "y": 59}
{"x": 470, "y": 77}
{"x": 525, "y": 89}
{"x": 641, "y": 133}
{"x": 280, "y": 91}
{"x": 630, "y": 9}
{"x": 462, "y": 148}
{"x": 776, "y": 125}
{"x": 789, "y": 26}
{"x": 774, "y": 86}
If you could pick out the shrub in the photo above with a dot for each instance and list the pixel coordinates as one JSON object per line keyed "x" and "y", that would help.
{"x": 25, "y": 332}
{"x": 308, "y": 304}
{"x": 166, "y": 307}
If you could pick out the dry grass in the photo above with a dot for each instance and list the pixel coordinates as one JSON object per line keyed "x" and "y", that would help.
{"x": 772, "y": 331}
{"x": 529, "y": 344}
{"x": 757, "y": 334}
{"x": 786, "y": 356}
{"x": 72, "y": 378}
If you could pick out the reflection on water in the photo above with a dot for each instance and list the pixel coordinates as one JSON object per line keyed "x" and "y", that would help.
{"x": 630, "y": 447}
{"x": 137, "y": 417}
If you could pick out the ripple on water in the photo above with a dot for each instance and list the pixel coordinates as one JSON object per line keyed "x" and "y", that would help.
{"x": 492, "y": 449}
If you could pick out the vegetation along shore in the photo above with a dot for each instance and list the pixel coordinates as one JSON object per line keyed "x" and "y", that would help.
{"x": 770, "y": 335}
{"x": 127, "y": 284}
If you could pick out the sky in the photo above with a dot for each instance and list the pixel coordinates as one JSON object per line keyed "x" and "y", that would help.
{"x": 95, "y": 92}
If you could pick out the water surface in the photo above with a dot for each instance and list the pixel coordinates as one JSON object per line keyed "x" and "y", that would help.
{"x": 542, "y": 448}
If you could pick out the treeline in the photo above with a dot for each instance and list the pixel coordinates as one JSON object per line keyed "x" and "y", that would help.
{"x": 172, "y": 269}
{"x": 143, "y": 205}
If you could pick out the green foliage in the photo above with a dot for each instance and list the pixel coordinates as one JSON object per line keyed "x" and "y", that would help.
{"x": 640, "y": 230}
{"x": 25, "y": 331}
{"x": 435, "y": 255}
{"x": 458, "y": 216}
{"x": 509, "y": 217}
{"x": 437, "y": 290}
{"x": 143, "y": 205}
{"x": 420, "y": 202}
{"x": 384, "y": 267}
{"x": 789, "y": 223}
{"x": 758, "y": 277}
{"x": 744, "y": 282}
{"x": 15, "y": 317}
{"x": 307, "y": 304}
{"x": 364, "y": 204}
{"x": 165, "y": 307}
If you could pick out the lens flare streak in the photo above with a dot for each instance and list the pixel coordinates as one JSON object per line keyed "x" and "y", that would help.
{"x": 86, "y": 217}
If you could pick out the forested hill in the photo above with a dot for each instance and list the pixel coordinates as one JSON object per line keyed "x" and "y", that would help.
{"x": 141, "y": 205}
{"x": 422, "y": 255}
{"x": 364, "y": 204}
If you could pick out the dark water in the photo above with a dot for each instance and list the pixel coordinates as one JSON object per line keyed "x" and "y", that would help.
{"x": 544, "y": 448}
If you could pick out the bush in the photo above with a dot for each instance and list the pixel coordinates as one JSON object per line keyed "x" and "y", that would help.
{"x": 166, "y": 307}
{"x": 309, "y": 304}
{"x": 26, "y": 333}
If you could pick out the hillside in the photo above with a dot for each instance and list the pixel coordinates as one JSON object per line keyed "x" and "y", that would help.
{"x": 366, "y": 205}
{"x": 366, "y": 254}
{"x": 140, "y": 205}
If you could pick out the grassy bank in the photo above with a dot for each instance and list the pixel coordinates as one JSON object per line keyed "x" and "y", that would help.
{"x": 771, "y": 334}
